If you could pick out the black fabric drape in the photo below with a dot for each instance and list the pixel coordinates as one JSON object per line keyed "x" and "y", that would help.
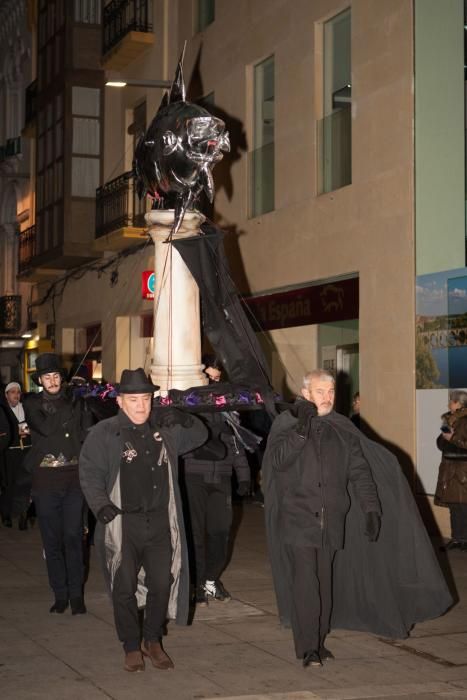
{"x": 224, "y": 320}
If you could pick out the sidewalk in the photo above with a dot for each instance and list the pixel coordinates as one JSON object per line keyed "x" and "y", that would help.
{"x": 232, "y": 650}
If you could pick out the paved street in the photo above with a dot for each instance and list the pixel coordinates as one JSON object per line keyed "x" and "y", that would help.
{"x": 232, "y": 650}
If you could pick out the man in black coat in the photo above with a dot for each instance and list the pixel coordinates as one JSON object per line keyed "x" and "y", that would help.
{"x": 58, "y": 422}
{"x": 129, "y": 475}
{"x": 312, "y": 465}
{"x": 208, "y": 486}
{"x": 17, "y": 476}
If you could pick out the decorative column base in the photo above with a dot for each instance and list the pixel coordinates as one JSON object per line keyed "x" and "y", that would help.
{"x": 176, "y": 362}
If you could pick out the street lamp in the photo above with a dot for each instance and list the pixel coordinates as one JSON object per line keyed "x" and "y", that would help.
{"x": 124, "y": 82}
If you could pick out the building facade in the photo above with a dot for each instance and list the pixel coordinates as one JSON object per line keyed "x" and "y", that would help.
{"x": 345, "y": 182}
{"x": 16, "y": 203}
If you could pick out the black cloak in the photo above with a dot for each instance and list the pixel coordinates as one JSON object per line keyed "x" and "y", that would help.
{"x": 224, "y": 320}
{"x": 384, "y": 587}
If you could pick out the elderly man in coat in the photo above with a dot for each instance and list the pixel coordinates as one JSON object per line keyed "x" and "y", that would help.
{"x": 325, "y": 487}
{"x": 314, "y": 465}
{"x": 129, "y": 476}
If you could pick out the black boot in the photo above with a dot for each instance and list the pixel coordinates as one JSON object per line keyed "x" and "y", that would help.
{"x": 23, "y": 522}
{"x": 6, "y": 520}
{"x": 77, "y": 606}
{"x": 59, "y": 606}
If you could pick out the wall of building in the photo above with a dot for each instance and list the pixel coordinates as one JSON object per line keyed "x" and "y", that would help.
{"x": 365, "y": 228}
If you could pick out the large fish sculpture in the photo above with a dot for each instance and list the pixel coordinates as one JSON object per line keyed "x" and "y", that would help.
{"x": 174, "y": 158}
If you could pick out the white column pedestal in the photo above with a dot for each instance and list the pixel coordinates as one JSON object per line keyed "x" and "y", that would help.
{"x": 176, "y": 362}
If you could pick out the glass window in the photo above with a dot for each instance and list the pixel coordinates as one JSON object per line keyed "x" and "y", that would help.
{"x": 42, "y": 29}
{"x": 335, "y": 129}
{"x": 86, "y": 101}
{"x": 58, "y": 139}
{"x": 206, "y": 14}
{"x": 57, "y": 225}
{"x": 59, "y": 106}
{"x": 86, "y": 136}
{"x": 40, "y": 152}
{"x": 58, "y": 55}
{"x": 88, "y": 11}
{"x": 84, "y": 177}
{"x": 58, "y": 194}
{"x": 262, "y": 156}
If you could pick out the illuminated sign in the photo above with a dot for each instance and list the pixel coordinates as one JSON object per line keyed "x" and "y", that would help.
{"x": 148, "y": 283}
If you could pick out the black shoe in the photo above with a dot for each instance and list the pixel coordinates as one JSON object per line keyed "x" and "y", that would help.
{"x": 312, "y": 658}
{"x": 77, "y": 606}
{"x": 325, "y": 654}
{"x": 452, "y": 544}
{"x": 22, "y": 522}
{"x": 216, "y": 590}
{"x": 201, "y": 597}
{"x": 59, "y": 606}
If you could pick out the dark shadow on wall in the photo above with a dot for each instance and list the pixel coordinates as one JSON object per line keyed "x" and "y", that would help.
{"x": 238, "y": 141}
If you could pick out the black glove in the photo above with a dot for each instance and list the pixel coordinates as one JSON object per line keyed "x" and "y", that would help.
{"x": 243, "y": 488}
{"x": 107, "y": 513}
{"x": 169, "y": 417}
{"x": 372, "y": 526}
{"x": 306, "y": 411}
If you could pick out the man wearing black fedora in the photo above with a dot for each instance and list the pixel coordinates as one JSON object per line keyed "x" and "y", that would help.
{"x": 58, "y": 422}
{"x": 129, "y": 476}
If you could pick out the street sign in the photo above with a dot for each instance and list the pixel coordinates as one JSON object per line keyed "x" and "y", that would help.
{"x": 148, "y": 280}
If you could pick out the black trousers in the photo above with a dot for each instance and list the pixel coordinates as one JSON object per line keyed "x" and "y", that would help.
{"x": 458, "y": 513}
{"x": 210, "y": 512}
{"x": 145, "y": 543}
{"x": 311, "y": 571}
{"x": 59, "y": 511}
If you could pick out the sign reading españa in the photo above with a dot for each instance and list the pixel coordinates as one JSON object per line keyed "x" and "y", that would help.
{"x": 320, "y": 303}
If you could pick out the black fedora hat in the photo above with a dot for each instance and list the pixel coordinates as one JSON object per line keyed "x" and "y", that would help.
{"x": 135, "y": 381}
{"x": 47, "y": 363}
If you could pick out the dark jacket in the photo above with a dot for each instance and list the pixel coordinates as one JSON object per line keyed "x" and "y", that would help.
{"x": 313, "y": 476}
{"x": 15, "y": 464}
{"x": 452, "y": 477}
{"x": 220, "y": 455}
{"x": 381, "y": 587}
{"x": 58, "y": 424}
{"x": 99, "y": 469}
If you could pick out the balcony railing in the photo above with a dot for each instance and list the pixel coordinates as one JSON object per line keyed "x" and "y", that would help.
{"x": 118, "y": 205}
{"x": 11, "y": 148}
{"x": 31, "y": 103}
{"x": 27, "y": 248}
{"x": 10, "y": 313}
{"x": 123, "y": 16}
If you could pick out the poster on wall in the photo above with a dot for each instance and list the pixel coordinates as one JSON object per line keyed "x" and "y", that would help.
{"x": 441, "y": 330}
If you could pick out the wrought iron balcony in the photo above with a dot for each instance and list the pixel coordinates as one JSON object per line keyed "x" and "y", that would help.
{"x": 11, "y": 148}
{"x": 120, "y": 17}
{"x": 118, "y": 206}
{"x": 26, "y": 248}
{"x": 31, "y": 103}
{"x": 10, "y": 313}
